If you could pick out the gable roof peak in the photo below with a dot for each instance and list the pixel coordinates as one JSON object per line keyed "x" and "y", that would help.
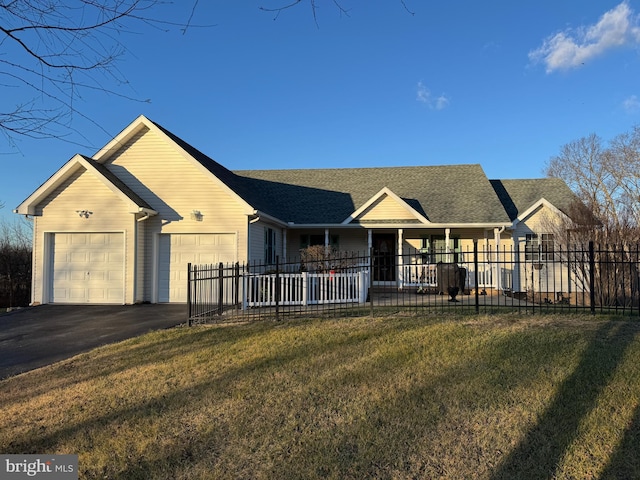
{"x": 78, "y": 161}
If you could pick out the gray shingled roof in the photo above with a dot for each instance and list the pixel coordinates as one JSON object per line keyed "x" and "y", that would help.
{"x": 520, "y": 195}
{"x": 443, "y": 194}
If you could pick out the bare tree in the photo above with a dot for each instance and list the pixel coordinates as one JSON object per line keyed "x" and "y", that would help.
{"x": 315, "y": 5}
{"x": 606, "y": 179}
{"x": 15, "y": 263}
{"x": 54, "y": 50}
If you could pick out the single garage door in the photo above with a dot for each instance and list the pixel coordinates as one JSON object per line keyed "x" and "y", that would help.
{"x": 87, "y": 268}
{"x": 178, "y": 250}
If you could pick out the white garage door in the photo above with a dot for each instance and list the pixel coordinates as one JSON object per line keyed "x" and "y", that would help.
{"x": 87, "y": 268}
{"x": 178, "y": 250}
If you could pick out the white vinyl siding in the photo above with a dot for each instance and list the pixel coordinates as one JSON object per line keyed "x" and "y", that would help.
{"x": 109, "y": 213}
{"x": 257, "y": 238}
{"x": 256, "y": 242}
{"x": 176, "y": 186}
{"x": 386, "y": 208}
{"x": 176, "y": 251}
{"x": 87, "y": 268}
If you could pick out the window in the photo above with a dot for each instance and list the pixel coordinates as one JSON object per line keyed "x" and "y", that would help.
{"x": 539, "y": 248}
{"x": 269, "y": 246}
{"x": 434, "y": 249}
{"x": 317, "y": 239}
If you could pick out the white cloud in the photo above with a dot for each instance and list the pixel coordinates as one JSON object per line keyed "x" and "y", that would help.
{"x": 569, "y": 49}
{"x": 423, "y": 95}
{"x": 441, "y": 102}
{"x": 631, "y": 104}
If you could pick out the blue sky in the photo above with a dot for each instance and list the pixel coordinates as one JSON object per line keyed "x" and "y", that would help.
{"x": 504, "y": 84}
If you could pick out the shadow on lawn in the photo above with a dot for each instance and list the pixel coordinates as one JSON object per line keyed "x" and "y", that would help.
{"x": 197, "y": 443}
{"x": 541, "y": 450}
{"x": 625, "y": 462}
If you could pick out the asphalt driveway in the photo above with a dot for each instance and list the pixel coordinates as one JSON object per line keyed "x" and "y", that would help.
{"x": 36, "y": 336}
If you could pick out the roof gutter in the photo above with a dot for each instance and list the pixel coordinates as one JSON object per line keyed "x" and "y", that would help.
{"x": 27, "y": 216}
{"x": 146, "y": 213}
{"x": 258, "y": 215}
{"x": 406, "y": 226}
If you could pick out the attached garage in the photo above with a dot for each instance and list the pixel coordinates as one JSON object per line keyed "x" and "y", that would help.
{"x": 87, "y": 268}
{"x": 176, "y": 251}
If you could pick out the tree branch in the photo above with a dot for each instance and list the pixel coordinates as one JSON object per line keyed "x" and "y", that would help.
{"x": 53, "y": 50}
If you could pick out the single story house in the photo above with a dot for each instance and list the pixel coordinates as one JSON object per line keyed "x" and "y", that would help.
{"x": 121, "y": 226}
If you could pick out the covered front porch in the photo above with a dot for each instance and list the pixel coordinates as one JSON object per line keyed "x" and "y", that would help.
{"x": 407, "y": 257}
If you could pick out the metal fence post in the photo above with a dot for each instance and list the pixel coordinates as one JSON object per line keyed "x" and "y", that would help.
{"x": 475, "y": 268}
{"x": 592, "y": 273}
{"x": 371, "y": 280}
{"x": 277, "y": 292}
{"x": 220, "y": 288}
{"x": 236, "y": 285}
{"x": 189, "y": 312}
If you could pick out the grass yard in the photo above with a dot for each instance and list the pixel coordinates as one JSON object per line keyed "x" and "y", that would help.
{"x": 492, "y": 397}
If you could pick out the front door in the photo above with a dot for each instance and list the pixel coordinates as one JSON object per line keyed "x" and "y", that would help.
{"x": 384, "y": 257}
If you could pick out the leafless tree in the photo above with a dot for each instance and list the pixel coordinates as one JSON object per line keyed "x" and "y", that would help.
{"x": 338, "y": 5}
{"x": 606, "y": 179}
{"x": 54, "y": 50}
{"x": 15, "y": 263}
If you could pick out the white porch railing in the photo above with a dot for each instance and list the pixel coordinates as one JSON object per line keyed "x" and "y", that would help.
{"x": 485, "y": 276}
{"x": 305, "y": 288}
{"x": 425, "y": 275}
{"x": 419, "y": 275}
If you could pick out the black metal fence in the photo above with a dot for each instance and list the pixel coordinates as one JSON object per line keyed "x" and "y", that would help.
{"x": 603, "y": 279}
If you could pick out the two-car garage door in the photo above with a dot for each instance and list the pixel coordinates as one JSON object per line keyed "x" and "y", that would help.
{"x": 87, "y": 268}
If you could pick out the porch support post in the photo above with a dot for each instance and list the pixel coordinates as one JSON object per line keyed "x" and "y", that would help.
{"x": 326, "y": 240}
{"x": 369, "y": 241}
{"x": 498, "y": 267}
{"x": 447, "y": 247}
{"x": 400, "y": 269}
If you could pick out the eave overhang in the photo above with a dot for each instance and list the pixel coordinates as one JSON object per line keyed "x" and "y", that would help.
{"x": 406, "y": 226}
{"x": 28, "y": 206}
{"x": 257, "y": 214}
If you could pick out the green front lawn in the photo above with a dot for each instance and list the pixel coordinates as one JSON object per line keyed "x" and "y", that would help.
{"x": 404, "y": 397}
